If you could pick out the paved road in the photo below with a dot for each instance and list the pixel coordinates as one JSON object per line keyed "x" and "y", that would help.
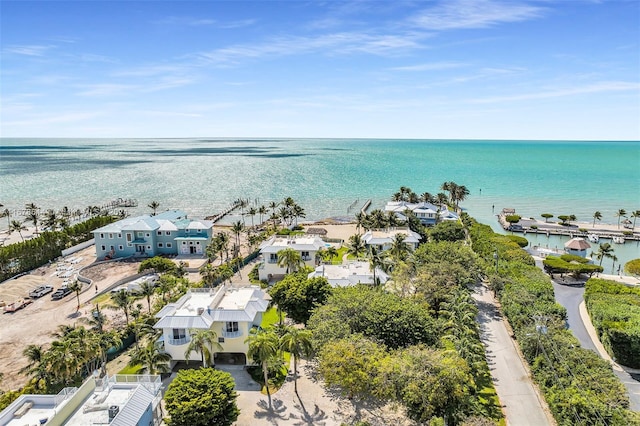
{"x": 518, "y": 397}
{"x": 571, "y": 297}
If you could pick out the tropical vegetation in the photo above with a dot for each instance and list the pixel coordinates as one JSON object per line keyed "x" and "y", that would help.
{"x": 614, "y": 309}
{"x": 201, "y": 397}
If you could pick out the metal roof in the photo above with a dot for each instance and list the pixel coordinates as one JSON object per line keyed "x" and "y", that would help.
{"x": 134, "y": 408}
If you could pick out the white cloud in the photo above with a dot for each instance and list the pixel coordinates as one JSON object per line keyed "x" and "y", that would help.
{"x": 29, "y": 50}
{"x": 601, "y": 87}
{"x": 107, "y": 89}
{"x": 433, "y": 66}
{"x": 460, "y": 14}
{"x": 336, "y": 43}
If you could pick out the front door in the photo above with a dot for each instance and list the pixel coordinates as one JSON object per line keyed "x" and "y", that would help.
{"x": 140, "y": 248}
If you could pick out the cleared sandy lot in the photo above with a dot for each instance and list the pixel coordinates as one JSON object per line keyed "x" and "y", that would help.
{"x": 35, "y": 324}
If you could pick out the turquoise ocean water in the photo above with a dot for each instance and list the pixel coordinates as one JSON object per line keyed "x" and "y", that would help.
{"x": 325, "y": 176}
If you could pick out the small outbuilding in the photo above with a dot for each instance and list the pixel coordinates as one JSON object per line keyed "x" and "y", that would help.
{"x": 577, "y": 246}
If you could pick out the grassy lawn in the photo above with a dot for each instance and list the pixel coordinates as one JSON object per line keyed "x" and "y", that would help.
{"x": 131, "y": 369}
{"x": 271, "y": 317}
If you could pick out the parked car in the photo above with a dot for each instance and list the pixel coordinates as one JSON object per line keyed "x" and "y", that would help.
{"x": 40, "y": 291}
{"x": 60, "y": 293}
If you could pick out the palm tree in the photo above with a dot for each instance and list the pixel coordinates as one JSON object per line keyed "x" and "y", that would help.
{"x": 252, "y": 212}
{"x": 329, "y": 253}
{"x": 147, "y": 288}
{"x": 399, "y": 248}
{"x": 122, "y": 300}
{"x": 605, "y": 250}
{"x": 51, "y": 219}
{"x": 33, "y": 217}
{"x": 242, "y": 202}
{"x": 203, "y": 341}
{"x": 635, "y": 215}
{"x": 459, "y": 194}
{"x": 376, "y": 260}
{"x": 152, "y": 359}
{"x": 613, "y": 265}
{"x": 263, "y": 347}
{"x": 596, "y": 216}
{"x": 16, "y": 225}
{"x": 356, "y": 246}
{"x": 76, "y": 287}
{"x": 262, "y": 210}
{"x": 290, "y": 258}
{"x": 154, "y": 206}
{"x": 298, "y": 343}
{"x": 209, "y": 274}
{"x": 298, "y": 212}
{"x": 237, "y": 229}
{"x": 621, "y": 213}
{"x": 427, "y": 197}
{"x": 34, "y": 354}
{"x": 96, "y": 321}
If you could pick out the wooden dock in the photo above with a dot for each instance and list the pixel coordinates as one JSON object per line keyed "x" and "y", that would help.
{"x": 532, "y": 226}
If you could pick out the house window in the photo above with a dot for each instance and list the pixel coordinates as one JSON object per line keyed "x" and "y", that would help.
{"x": 120, "y": 248}
{"x": 112, "y": 248}
{"x": 197, "y": 242}
{"x": 140, "y": 234}
{"x": 169, "y": 245}
{"x": 179, "y": 333}
{"x": 305, "y": 255}
{"x": 111, "y": 236}
{"x": 129, "y": 245}
{"x": 148, "y": 247}
{"x": 167, "y": 233}
{"x": 184, "y": 243}
{"x": 101, "y": 235}
{"x": 199, "y": 231}
{"x": 160, "y": 245}
{"x": 148, "y": 234}
{"x": 220, "y": 339}
{"x": 187, "y": 231}
{"x": 232, "y": 327}
{"x": 273, "y": 257}
{"x": 128, "y": 237}
{"x": 159, "y": 233}
{"x": 119, "y": 235}
{"x": 103, "y": 248}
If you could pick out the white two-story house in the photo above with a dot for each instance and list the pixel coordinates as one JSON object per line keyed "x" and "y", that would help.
{"x": 427, "y": 213}
{"x": 230, "y": 311}
{"x": 307, "y": 245}
{"x": 382, "y": 239}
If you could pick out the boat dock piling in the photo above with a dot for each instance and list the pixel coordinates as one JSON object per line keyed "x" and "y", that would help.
{"x": 225, "y": 212}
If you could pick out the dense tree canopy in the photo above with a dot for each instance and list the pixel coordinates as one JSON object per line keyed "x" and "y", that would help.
{"x": 201, "y": 397}
{"x": 298, "y": 295}
{"x": 384, "y": 317}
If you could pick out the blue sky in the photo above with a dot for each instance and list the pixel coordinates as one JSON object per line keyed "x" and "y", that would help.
{"x": 477, "y": 69}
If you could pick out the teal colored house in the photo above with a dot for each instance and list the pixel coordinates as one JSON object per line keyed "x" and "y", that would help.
{"x": 167, "y": 233}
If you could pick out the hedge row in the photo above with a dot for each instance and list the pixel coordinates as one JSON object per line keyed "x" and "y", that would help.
{"x": 27, "y": 255}
{"x": 615, "y": 312}
{"x": 579, "y": 386}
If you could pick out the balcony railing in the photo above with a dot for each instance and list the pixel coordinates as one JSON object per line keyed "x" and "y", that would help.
{"x": 232, "y": 334}
{"x": 180, "y": 341}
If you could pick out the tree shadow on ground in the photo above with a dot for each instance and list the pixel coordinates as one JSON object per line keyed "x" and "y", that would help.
{"x": 277, "y": 412}
{"x": 308, "y": 419}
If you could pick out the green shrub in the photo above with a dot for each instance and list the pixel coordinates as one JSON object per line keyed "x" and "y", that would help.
{"x": 520, "y": 241}
{"x": 615, "y": 311}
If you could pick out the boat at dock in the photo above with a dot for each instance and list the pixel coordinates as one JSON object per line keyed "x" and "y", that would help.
{"x": 594, "y": 238}
{"x": 617, "y": 239}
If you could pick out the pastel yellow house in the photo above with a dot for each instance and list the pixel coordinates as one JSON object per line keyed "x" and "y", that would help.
{"x": 230, "y": 311}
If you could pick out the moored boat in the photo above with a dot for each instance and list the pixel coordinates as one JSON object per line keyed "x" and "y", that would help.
{"x": 618, "y": 239}
{"x": 594, "y": 238}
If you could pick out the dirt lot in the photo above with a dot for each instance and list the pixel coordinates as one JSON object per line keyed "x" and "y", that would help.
{"x": 35, "y": 323}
